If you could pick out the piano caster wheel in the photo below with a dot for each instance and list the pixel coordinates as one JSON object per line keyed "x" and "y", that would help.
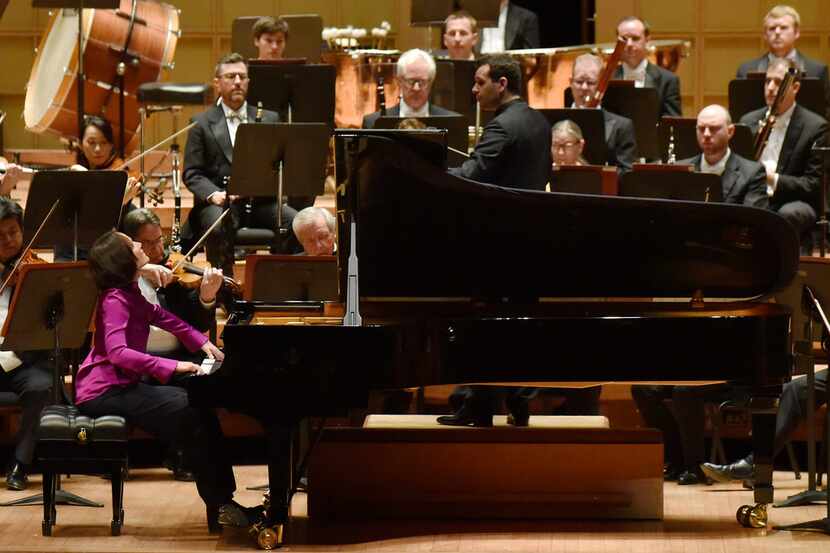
{"x": 268, "y": 537}
{"x": 752, "y": 516}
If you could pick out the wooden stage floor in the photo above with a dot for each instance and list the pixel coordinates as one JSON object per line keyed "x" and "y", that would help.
{"x": 162, "y": 515}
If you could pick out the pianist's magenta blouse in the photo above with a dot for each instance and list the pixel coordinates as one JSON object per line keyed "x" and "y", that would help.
{"x": 118, "y": 358}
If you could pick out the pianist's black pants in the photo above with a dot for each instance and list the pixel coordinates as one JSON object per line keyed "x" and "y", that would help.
{"x": 164, "y": 412}
{"x": 792, "y": 408}
{"x": 485, "y": 399}
{"x": 683, "y": 422}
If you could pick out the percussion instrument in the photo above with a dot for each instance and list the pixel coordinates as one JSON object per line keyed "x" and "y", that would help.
{"x": 141, "y": 33}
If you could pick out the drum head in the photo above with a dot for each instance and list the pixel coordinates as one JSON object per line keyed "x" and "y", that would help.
{"x": 55, "y": 65}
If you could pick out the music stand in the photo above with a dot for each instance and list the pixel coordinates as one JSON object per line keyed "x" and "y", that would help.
{"x": 642, "y": 107}
{"x": 300, "y": 93}
{"x": 672, "y": 182}
{"x": 458, "y": 76}
{"x": 51, "y": 309}
{"x": 426, "y": 13}
{"x": 80, "y": 5}
{"x": 747, "y": 95}
{"x": 293, "y": 281}
{"x": 456, "y": 126}
{"x": 592, "y": 124}
{"x": 679, "y": 135}
{"x": 599, "y": 180}
{"x": 90, "y": 205}
{"x": 280, "y": 159}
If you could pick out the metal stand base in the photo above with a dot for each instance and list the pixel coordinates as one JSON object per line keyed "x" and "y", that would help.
{"x": 807, "y": 497}
{"x": 821, "y": 525}
{"x": 61, "y": 498}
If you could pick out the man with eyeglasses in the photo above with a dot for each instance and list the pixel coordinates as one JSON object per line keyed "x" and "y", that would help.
{"x": 415, "y": 73}
{"x": 208, "y": 159}
{"x": 620, "y": 140}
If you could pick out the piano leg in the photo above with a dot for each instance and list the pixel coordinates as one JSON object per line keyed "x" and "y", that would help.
{"x": 763, "y": 411}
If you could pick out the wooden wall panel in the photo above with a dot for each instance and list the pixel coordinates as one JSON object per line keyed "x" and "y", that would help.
{"x": 745, "y": 15}
{"x": 196, "y": 15}
{"x": 327, "y": 9}
{"x": 682, "y": 18}
{"x": 17, "y": 53}
{"x": 232, "y": 10}
{"x": 721, "y": 56}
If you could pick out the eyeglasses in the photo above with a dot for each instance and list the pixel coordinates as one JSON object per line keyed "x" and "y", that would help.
{"x": 586, "y": 82}
{"x": 564, "y": 145}
{"x": 231, "y": 77}
{"x": 411, "y": 83}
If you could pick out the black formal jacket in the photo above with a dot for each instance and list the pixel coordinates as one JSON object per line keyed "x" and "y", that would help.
{"x": 514, "y": 149}
{"x": 744, "y": 181}
{"x": 811, "y": 68}
{"x": 521, "y": 30}
{"x": 209, "y": 154}
{"x": 620, "y": 140}
{"x": 799, "y": 168}
{"x": 395, "y": 111}
{"x": 667, "y": 85}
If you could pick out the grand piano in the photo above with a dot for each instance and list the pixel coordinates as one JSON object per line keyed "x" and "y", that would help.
{"x": 455, "y": 281}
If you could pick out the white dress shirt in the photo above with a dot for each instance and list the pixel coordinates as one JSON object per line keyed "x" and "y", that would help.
{"x": 8, "y": 359}
{"x": 234, "y": 122}
{"x": 492, "y": 38}
{"x": 718, "y": 168}
{"x": 407, "y": 111}
{"x": 772, "y": 151}
{"x": 636, "y": 74}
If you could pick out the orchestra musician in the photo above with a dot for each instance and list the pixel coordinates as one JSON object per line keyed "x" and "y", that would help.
{"x": 460, "y": 35}
{"x": 415, "y": 73}
{"x": 315, "y": 229}
{"x": 567, "y": 144}
{"x": 109, "y": 380}
{"x": 620, "y": 139}
{"x": 207, "y": 164}
{"x": 27, "y": 374}
{"x": 635, "y": 66}
{"x": 781, "y": 31}
{"x": 518, "y": 29}
{"x": 270, "y": 37}
{"x": 793, "y": 170}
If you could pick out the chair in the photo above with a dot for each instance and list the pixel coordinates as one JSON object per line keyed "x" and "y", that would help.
{"x": 69, "y": 442}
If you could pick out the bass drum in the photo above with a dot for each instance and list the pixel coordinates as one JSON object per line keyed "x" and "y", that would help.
{"x": 142, "y": 33}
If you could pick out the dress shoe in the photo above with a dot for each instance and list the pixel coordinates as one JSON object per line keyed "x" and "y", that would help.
{"x": 183, "y": 475}
{"x": 464, "y": 418}
{"x": 671, "y": 472}
{"x": 16, "y": 478}
{"x": 739, "y": 470}
{"x": 235, "y": 515}
{"x": 691, "y": 477}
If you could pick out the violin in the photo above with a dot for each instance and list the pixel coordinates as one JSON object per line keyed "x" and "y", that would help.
{"x": 190, "y": 275}
{"x": 28, "y": 257}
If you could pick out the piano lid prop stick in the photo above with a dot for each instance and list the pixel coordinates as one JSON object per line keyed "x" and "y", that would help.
{"x": 200, "y": 240}
{"x": 459, "y": 152}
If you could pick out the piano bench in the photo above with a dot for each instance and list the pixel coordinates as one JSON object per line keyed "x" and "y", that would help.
{"x": 425, "y": 470}
{"x": 71, "y": 443}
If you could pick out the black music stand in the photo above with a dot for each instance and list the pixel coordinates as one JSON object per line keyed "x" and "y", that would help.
{"x": 747, "y": 95}
{"x": 672, "y": 185}
{"x": 280, "y": 159}
{"x": 456, "y": 126}
{"x": 51, "y": 309}
{"x": 642, "y": 107}
{"x": 679, "y": 135}
{"x": 598, "y": 180}
{"x": 80, "y": 5}
{"x": 90, "y": 205}
{"x": 300, "y": 93}
{"x": 293, "y": 281}
{"x": 458, "y": 76}
{"x": 426, "y": 13}
{"x": 592, "y": 124}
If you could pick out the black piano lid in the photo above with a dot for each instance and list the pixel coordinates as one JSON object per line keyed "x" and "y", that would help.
{"x": 423, "y": 233}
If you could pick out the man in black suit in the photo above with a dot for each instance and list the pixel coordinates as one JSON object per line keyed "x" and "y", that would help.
{"x": 517, "y": 29}
{"x": 743, "y": 182}
{"x": 514, "y": 149}
{"x": 207, "y": 164}
{"x": 415, "y": 73}
{"x": 620, "y": 140}
{"x": 635, "y": 66}
{"x": 781, "y": 31}
{"x": 793, "y": 170}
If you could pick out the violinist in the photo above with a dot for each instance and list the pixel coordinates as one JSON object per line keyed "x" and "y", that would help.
{"x": 27, "y": 374}
{"x": 793, "y": 170}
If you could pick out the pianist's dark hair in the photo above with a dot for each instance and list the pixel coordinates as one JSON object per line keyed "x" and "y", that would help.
{"x": 502, "y": 65}
{"x": 136, "y": 219}
{"x": 10, "y": 210}
{"x": 227, "y": 59}
{"x": 112, "y": 262}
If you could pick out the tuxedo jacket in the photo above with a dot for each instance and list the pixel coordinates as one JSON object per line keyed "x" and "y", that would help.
{"x": 620, "y": 140}
{"x": 208, "y": 155}
{"x": 799, "y": 169}
{"x": 395, "y": 111}
{"x": 743, "y": 181}
{"x": 521, "y": 30}
{"x": 514, "y": 150}
{"x": 667, "y": 85}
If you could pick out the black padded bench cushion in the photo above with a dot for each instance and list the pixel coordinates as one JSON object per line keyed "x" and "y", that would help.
{"x": 65, "y": 433}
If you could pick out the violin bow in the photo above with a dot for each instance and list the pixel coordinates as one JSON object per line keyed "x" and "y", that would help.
{"x": 199, "y": 242}
{"x": 29, "y": 246}
{"x": 154, "y": 147}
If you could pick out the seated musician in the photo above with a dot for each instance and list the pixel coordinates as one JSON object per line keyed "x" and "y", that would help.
{"x": 207, "y": 165}
{"x": 792, "y": 410}
{"x": 415, "y": 73}
{"x": 315, "y": 229}
{"x": 27, "y": 374}
{"x": 567, "y": 144}
{"x": 460, "y": 35}
{"x": 793, "y": 170}
{"x": 620, "y": 140}
{"x": 109, "y": 381}
{"x": 781, "y": 31}
{"x": 518, "y": 29}
{"x": 743, "y": 180}
{"x": 270, "y": 37}
{"x": 636, "y": 67}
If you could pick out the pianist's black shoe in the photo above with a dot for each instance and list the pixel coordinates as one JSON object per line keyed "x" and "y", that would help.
{"x": 691, "y": 477}
{"x": 739, "y": 470}
{"x": 466, "y": 417}
{"x": 671, "y": 472}
{"x": 16, "y": 478}
{"x": 232, "y": 514}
